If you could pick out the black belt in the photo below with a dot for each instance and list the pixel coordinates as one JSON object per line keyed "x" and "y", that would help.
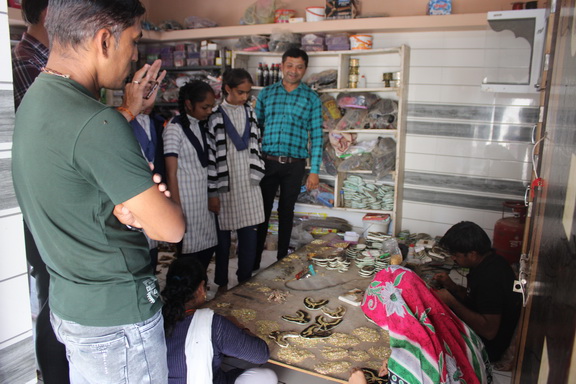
{"x": 283, "y": 159}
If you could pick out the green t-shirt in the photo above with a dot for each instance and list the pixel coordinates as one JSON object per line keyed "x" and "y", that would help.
{"x": 73, "y": 160}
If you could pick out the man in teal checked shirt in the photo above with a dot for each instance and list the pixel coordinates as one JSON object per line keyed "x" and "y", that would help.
{"x": 290, "y": 114}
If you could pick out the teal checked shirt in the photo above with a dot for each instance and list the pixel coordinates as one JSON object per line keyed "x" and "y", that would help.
{"x": 291, "y": 123}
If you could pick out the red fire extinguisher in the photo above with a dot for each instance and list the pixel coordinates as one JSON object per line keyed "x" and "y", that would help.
{"x": 509, "y": 231}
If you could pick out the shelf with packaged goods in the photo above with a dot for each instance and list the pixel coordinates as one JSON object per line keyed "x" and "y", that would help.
{"x": 386, "y": 132}
{"x": 358, "y": 90}
{"x": 372, "y": 63}
{"x": 422, "y": 23}
{"x": 194, "y": 69}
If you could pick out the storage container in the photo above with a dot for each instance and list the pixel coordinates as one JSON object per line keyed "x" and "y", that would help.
{"x": 361, "y": 42}
{"x": 315, "y": 13}
{"x": 376, "y": 222}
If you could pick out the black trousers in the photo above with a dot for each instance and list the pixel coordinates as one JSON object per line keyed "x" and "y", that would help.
{"x": 289, "y": 178}
{"x": 50, "y": 353}
{"x": 247, "y": 240}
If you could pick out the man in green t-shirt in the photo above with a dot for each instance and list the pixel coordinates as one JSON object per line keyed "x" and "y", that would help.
{"x": 84, "y": 186}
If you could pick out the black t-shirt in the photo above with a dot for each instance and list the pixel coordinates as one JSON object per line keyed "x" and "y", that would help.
{"x": 490, "y": 292}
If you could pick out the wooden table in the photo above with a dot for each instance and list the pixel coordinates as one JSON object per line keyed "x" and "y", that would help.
{"x": 355, "y": 342}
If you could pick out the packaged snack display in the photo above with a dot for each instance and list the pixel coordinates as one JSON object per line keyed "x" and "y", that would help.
{"x": 440, "y": 7}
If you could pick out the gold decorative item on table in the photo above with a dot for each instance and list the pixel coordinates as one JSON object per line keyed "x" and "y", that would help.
{"x": 293, "y": 355}
{"x": 244, "y": 315}
{"x": 366, "y": 334}
{"x": 265, "y": 327}
{"x": 335, "y": 353}
{"x": 343, "y": 340}
{"x": 333, "y": 367}
{"x": 359, "y": 355}
{"x": 380, "y": 352}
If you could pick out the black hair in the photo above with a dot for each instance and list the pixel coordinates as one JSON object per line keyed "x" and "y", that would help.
{"x": 32, "y": 9}
{"x": 195, "y": 91}
{"x": 465, "y": 237}
{"x": 295, "y": 52}
{"x": 182, "y": 282}
{"x": 234, "y": 77}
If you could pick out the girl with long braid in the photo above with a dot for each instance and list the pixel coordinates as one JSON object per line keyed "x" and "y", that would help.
{"x": 198, "y": 339}
{"x": 186, "y": 153}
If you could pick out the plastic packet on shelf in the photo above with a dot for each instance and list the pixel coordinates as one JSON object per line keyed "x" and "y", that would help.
{"x": 362, "y": 100}
{"x": 330, "y": 110}
{"x": 323, "y": 80}
{"x": 341, "y": 141}
{"x": 313, "y": 39}
{"x": 193, "y": 22}
{"x": 282, "y": 41}
{"x": 252, "y": 43}
{"x": 359, "y": 162}
{"x": 352, "y": 119}
{"x": 330, "y": 160}
{"x": 382, "y": 114}
{"x": 259, "y": 12}
{"x": 384, "y": 154}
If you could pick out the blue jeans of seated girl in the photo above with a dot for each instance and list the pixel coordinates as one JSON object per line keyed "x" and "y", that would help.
{"x": 131, "y": 353}
{"x": 247, "y": 244}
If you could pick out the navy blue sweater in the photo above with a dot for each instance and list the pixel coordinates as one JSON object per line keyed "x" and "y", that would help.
{"x": 227, "y": 340}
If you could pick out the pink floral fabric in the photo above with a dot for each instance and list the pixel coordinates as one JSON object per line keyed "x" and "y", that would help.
{"x": 429, "y": 343}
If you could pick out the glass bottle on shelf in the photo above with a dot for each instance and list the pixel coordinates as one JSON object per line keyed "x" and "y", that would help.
{"x": 266, "y": 75}
{"x": 259, "y": 76}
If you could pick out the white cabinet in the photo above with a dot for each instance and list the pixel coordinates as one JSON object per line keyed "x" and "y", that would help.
{"x": 372, "y": 65}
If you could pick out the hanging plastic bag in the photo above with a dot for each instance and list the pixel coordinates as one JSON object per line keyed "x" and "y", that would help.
{"x": 260, "y": 12}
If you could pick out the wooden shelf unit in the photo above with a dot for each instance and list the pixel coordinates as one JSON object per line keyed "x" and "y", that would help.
{"x": 464, "y": 22}
{"x": 375, "y": 62}
{"x": 458, "y": 22}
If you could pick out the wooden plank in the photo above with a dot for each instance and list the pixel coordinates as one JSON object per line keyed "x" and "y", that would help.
{"x": 465, "y": 22}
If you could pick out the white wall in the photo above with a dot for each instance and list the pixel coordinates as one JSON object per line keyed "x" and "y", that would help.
{"x": 467, "y": 150}
{"x": 15, "y": 318}
{"x": 446, "y": 70}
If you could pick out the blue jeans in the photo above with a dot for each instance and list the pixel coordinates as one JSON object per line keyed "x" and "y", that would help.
{"x": 247, "y": 238}
{"x": 132, "y": 353}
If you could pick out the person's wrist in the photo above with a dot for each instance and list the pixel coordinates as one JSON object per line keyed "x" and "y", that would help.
{"x": 126, "y": 112}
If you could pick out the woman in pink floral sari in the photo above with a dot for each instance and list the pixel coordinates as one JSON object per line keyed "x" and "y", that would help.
{"x": 429, "y": 343}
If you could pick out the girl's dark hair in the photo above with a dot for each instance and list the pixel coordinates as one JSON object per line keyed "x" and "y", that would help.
{"x": 182, "y": 281}
{"x": 465, "y": 237}
{"x": 234, "y": 77}
{"x": 195, "y": 91}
